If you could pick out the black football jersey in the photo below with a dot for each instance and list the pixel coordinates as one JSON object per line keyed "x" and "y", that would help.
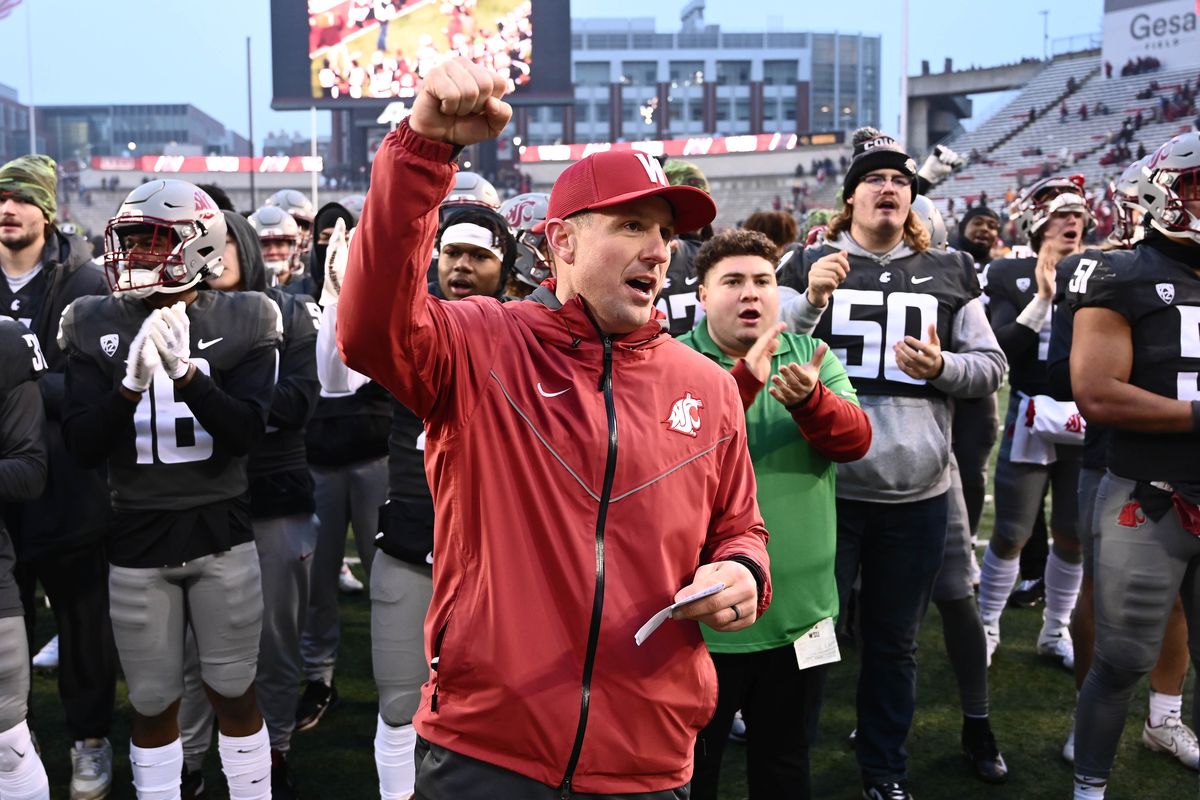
{"x": 1160, "y": 297}
{"x": 1011, "y": 285}
{"x": 20, "y": 361}
{"x": 679, "y": 298}
{"x": 166, "y": 459}
{"x": 22, "y": 305}
{"x": 878, "y": 305}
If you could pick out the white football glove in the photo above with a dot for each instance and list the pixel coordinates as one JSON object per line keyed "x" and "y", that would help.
{"x": 170, "y": 331}
{"x": 941, "y": 162}
{"x": 337, "y": 255}
{"x": 141, "y": 363}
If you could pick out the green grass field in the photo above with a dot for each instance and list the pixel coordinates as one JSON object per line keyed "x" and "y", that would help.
{"x": 1031, "y": 704}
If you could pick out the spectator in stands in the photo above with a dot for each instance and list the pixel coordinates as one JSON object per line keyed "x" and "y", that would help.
{"x": 1071, "y": 85}
{"x": 1108, "y": 69}
{"x": 779, "y": 227}
{"x": 1063, "y": 113}
{"x": 1032, "y": 115}
{"x": 1137, "y": 120}
{"x": 1141, "y": 151}
{"x": 1083, "y": 111}
{"x": 983, "y": 198}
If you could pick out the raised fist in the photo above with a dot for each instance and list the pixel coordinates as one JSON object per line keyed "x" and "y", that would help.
{"x": 460, "y": 103}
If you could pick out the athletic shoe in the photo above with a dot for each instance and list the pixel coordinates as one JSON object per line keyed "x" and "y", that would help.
{"x": 852, "y": 741}
{"x": 47, "y": 658}
{"x": 1056, "y": 643}
{"x": 886, "y": 791}
{"x": 91, "y": 769}
{"x": 980, "y": 750}
{"x": 1175, "y": 738}
{"x": 316, "y": 700}
{"x": 737, "y": 731}
{"x": 283, "y": 785}
{"x": 1068, "y": 751}
{"x": 191, "y": 784}
{"x": 347, "y": 583}
{"x": 991, "y": 632}
{"x": 1028, "y": 594}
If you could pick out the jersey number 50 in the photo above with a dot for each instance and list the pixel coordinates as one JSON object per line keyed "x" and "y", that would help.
{"x": 873, "y": 334}
{"x": 166, "y": 430}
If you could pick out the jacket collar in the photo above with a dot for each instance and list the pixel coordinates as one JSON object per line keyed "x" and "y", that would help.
{"x": 574, "y": 319}
{"x": 704, "y": 343}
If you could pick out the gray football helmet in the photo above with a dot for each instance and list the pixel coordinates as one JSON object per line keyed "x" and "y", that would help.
{"x": 1050, "y": 196}
{"x": 470, "y": 189}
{"x": 1127, "y": 205}
{"x": 522, "y": 213}
{"x": 354, "y": 204}
{"x": 294, "y": 202}
{"x": 167, "y": 236}
{"x": 931, "y": 218}
{"x": 1172, "y": 179}
{"x": 272, "y": 223}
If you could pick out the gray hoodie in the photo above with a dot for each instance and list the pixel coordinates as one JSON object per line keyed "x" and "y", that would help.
{"x": 909, "y": 458}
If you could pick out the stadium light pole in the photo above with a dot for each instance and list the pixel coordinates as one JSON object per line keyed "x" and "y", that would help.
{"x": 903, "y": 124}
{"x": 313, "y": 151}
{"x": 1045, "y": 12}
{"x": 250, "y": 113}
{"x": 29, "y": 66}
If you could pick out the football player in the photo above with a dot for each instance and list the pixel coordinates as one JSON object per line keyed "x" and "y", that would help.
{"x": 1054, "y": 215}
{"x": 300, "y": 208}
{"x": 171, "y": 387}
{"x": 905, "y": 322}
{"x": 1163, "y": 729}
{"x": 59, "y": 536}
{"x": 279, "y": 236}
{"x": 523, "y": 213}
{"x": 22, "y": 477}
{"x": 281, "y": 509}
{"x": 1135, "y": 358}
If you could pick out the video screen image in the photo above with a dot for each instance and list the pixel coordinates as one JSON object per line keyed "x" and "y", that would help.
{"x": 382, "y": 48}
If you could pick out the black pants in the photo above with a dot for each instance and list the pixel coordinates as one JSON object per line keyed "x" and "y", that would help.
{"x": 781, "y": 705}
{"x": 76, "y": 582}
{"x": 898, "y": 548}
{"x": 445, "y": 775}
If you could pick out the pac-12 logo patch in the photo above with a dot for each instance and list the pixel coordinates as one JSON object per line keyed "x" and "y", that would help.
{"x": 685, "y": 415}
{"x": 108, "y": 343}
{"x": 1166, "y": 292}
{"x": 1022, "y": 284}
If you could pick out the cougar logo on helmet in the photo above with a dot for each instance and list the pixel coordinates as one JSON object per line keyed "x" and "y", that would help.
{"x": 685, "y": 415}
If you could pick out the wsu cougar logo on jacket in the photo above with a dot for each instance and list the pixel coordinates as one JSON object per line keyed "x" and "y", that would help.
{"x": 685, "y": 415}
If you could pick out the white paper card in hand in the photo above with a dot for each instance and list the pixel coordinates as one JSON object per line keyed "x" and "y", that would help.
{"x": 818, "y": 645}
{"x": 658, "y": 619}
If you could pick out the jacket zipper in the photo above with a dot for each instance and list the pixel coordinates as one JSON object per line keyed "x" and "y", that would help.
{"x": 589, "y": 660}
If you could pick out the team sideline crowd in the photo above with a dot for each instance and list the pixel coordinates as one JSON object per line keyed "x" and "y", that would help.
{"x": 620, "y": 482}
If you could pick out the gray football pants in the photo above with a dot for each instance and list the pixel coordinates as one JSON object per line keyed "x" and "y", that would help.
{"x": 400, "y": 596}
{"x": 285, "y": 547}
{"x": 219, "y": 595}
{"x": 14, "y": 671}
{"x": 344, "y": 495}
{"x": 1140, "y": 566}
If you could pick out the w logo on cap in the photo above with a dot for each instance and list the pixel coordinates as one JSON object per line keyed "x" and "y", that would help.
{"x": 654, "y": 170}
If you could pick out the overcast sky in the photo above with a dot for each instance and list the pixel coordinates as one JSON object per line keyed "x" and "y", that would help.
{"x": 180, "y": 51}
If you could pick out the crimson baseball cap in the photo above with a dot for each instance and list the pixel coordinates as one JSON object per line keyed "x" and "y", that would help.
{"x": 619, "y": 176}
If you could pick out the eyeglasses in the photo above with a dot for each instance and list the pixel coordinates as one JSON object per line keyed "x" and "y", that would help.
{"x": 877, "y": 182}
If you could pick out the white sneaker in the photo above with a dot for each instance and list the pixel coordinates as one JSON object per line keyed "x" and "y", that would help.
{"x": 91, "y": 769}
{"x": 991, "y": 631}
{"x": 47, "y": 657}
{"x": 1175, "y": 738}
{"x": 1068, "y": 751}
{"x": 1056, "y": 643}
{"x": 347, "y": 583}
{"x": 737, "y": 731}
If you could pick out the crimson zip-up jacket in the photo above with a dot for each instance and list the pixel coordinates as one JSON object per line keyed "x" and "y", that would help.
{"x": 579, "y": 481}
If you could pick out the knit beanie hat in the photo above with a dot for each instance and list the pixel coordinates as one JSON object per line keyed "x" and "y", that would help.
{"x": 975, "y": 211}
{"x": 876, "y": 150}
{"x": 35, "y": 177}
{"x": 685, "y": 173}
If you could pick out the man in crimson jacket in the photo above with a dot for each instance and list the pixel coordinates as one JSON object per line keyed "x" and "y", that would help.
{"x": 586, "y": 471}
